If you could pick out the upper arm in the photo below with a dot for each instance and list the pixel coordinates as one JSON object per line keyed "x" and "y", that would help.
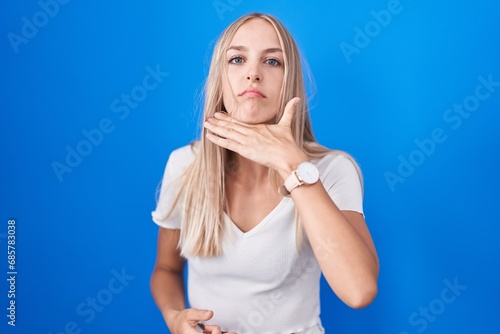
{"x": 168, "y": 209}
{"x": 168, "y": 255}
{"x": 341, "y": 178}
{"x": 343, "y": 182}
{"x": 357, "y": 221}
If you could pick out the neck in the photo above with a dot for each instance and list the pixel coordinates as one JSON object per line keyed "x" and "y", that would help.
{"x": 246, "y": 170}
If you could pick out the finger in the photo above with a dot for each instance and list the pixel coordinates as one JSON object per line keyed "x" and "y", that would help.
{"x": 228, "y": 118}
{"x": 226, "y": 143}
{"x": 225, "y": 130}
{"x": 224, "y": 120}
{"x": 286, "y": 119}
{"x": 213, "y": 329}
{"x": 197, "y": 315}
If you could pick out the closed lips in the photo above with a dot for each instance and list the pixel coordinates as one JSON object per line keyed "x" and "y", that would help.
{"x": 252, "y": 92}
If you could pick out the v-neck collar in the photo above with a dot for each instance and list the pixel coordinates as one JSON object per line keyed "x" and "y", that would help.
{"x": 261, "y": 224}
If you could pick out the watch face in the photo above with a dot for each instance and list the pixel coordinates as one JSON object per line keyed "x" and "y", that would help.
{"x": 308, "y": 172}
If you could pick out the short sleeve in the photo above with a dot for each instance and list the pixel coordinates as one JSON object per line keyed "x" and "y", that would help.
{"x": 342, "y": 181}
{"x": 177, "y": 164}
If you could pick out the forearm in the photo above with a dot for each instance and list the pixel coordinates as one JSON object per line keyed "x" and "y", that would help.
{"x": 167, "y": 288}
{"x": 349, "y": 265}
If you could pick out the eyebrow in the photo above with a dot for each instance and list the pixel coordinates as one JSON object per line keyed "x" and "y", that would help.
{"x": 244, "y": 48}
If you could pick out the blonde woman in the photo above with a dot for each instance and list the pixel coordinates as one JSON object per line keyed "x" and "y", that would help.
{"x": 257, "y": 208}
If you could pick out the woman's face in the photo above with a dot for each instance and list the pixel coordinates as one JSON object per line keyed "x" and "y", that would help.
{"x": 254, "y": 73}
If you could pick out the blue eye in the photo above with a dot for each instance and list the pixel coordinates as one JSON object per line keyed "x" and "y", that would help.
{"x": 273, "y": 62}
{"x": 236, "y": 60}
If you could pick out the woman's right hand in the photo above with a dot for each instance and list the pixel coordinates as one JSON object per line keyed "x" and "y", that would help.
{"x": 185, "y": 321}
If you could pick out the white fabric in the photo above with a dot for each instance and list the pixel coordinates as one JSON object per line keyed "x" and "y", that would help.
{"x": 261, "y": 284}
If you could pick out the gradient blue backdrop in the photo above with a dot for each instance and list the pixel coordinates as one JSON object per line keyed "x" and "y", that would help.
{"x": 79, "y": 231}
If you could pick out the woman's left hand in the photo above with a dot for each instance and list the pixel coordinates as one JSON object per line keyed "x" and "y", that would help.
{"x": 271, "y": 145}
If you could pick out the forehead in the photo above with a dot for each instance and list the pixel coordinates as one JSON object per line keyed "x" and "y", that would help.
{"x": 256, "y": 33}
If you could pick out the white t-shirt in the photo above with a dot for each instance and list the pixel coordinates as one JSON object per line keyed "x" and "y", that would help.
{"x": 261, "y": 284}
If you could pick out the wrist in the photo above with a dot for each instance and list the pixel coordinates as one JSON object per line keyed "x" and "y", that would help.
{"x": 306, "y": 173}
{"x": 169, "y": 316}
{"x": 290, "y": 164}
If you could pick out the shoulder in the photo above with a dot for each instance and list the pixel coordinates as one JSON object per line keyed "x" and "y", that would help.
{"x": 186, "y": 152}
{"x": 326, "y": 159}
{"x": 336, "y": 159}
{"x": 342, "y": 179}
{"x": 167, "y": 212}
{"x": 182, "y": 157}
{"x": 339, "y": 167}
{"x": 179, "y": 160}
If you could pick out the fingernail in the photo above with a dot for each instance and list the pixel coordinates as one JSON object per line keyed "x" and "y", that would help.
{"x": 206, "y": 314}
{"x": 296, "y": 101}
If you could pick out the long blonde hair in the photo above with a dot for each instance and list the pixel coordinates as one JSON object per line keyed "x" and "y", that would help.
{"x": 203, "y": 190}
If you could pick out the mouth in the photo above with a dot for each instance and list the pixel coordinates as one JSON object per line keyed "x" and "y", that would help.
{"x": 252, "y": 92}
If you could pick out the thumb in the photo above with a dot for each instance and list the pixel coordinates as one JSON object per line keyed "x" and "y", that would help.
{"x": 286, "y": 119}
{"x": 197, "y": 314}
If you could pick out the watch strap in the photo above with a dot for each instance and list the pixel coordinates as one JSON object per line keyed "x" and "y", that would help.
{"x": 293, "y": 182}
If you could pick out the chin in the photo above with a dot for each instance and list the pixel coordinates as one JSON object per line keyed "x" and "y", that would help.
{"x": 253, "y": 118}
{"x": 253, "y": 114}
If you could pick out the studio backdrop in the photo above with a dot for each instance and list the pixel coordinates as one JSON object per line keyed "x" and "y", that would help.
{"x": 95, "y": 95}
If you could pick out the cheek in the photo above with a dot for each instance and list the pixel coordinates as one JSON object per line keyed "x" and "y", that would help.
{"x": 233, "y": 75}
{"x": 228, "y": 98}
{"x": 276, "y": 84}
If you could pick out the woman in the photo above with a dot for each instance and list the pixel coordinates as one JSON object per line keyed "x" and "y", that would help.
{"x": 255, "y": 254}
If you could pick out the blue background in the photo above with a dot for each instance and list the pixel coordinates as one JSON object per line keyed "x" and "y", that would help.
{"x": 77, "y": 232}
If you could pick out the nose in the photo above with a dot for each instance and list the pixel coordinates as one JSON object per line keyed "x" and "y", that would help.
{"x": 254, "y": 70}
{"x": 254, "y": 77}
